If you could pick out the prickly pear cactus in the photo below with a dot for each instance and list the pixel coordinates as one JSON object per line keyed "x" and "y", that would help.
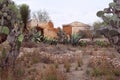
{"x": 10, "y": 30}
{"x": 112, "y": 30}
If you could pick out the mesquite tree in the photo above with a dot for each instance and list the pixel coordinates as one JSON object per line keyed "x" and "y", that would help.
{"x": 41, "y": 16}
{"x": 112, "y": 28}
{"x": 10, "y": 30}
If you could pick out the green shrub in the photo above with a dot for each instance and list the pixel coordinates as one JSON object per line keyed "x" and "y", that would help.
{"x": 101, "y": 43}
{"x": 116, "y": 72}
{"x": 96, "y": 72}
{"x": 37, "y": 37}
{"x": 74, "y": 40}
{"x": 83, "y": 43}
{"x": 50, "y": 41}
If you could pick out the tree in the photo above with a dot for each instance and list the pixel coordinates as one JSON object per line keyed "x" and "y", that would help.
{"x": 10, "y": 30}
{"x": 25, "y": 14}
{"x": 112, "y": 27}
{"x": 41, "y": 16}
{"x": 96, "y": 26}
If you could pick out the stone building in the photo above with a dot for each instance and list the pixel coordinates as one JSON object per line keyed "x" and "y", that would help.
{"x": 75, "y": 27}
{"x": 46, "y": 28}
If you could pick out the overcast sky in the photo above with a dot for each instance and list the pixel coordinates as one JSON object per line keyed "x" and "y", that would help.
{"x": 66, "y": 11}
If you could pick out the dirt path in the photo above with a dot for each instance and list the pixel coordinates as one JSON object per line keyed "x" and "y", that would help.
{"x": 86, "y": 60}
{"x": 81, "y": 73}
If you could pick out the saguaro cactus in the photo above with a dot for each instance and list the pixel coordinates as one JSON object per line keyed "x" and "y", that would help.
{"x": 112, "y": 30}
{"x": 10, "y": 30}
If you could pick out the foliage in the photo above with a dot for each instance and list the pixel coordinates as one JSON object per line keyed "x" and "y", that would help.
{"x": 102, "y": 67}
{"x": 83, "y": 43}
{"x": 62, "y": 37}
{"x": 50, "y": 41}
{"x": 10, "y": 30}
{"x": 20, "y": 37}
{"x": 75, "y": 38}
{"x": 3, "y": 55}
{"x": 37, "y": 37}
{"x": 25, "y": 14}
{"x": 9, "y": 14}
{"x": 41, "y": 16}
{"x": 5, "y": 30}
{"x": 112, "y": 27}
{"x": 102, "y": 43}
{"x": 34, "y": 35}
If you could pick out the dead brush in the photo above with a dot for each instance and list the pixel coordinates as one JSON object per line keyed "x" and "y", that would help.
{"x": 51, "y": 73}
{"x": 67, "y": 64}
{"x": 101, "y": 66}
{"x": 79, "y": 60}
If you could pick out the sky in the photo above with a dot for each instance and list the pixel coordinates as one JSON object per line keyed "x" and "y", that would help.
{"x": 67, "y": 11}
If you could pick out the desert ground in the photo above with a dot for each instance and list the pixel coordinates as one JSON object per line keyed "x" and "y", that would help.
{"x": 65, "y": 62}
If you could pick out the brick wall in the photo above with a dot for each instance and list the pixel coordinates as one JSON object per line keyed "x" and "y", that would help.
{"x": 67, "y": 29}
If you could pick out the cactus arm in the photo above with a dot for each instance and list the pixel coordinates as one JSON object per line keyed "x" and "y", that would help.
{"x": 112, "y": 30}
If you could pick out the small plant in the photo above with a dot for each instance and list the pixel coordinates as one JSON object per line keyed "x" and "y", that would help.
{"x": 56, "y": 65}
{"x": 67, "y": 65}
{"x": 34, "y": 35}
{"x": 37, "y": 37}
{"x": 50, "y": 41}
{"x": 83, "y": 43}
{"x": 101, "y": 67}
{"x": 4, "y": 53}
{"x": 74, "y": 40}
{"x": 79, "y": 62}
{"x": 62, "y": 37}
{"x": 96, "y": 72}
{"x": 76, "y": 68}
{"x": 87, "y": 72}
{"x": 19, "y": 72}
{"x": 101, "y": 43}
{"x": 116, "y": 72}
{"x": 110, "y": 77}
{"x": 51, "y": 73}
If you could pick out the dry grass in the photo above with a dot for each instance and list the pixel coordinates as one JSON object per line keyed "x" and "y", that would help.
{"x": 51, "y": 73}
{"x": 52, "y": 62}
{"x": 79, "y": 61}
{"x": 67, "y": 65}
{"x": 102, "y": 67}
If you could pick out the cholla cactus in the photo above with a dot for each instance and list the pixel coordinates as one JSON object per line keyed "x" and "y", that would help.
{"x": 112, "y": 28}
